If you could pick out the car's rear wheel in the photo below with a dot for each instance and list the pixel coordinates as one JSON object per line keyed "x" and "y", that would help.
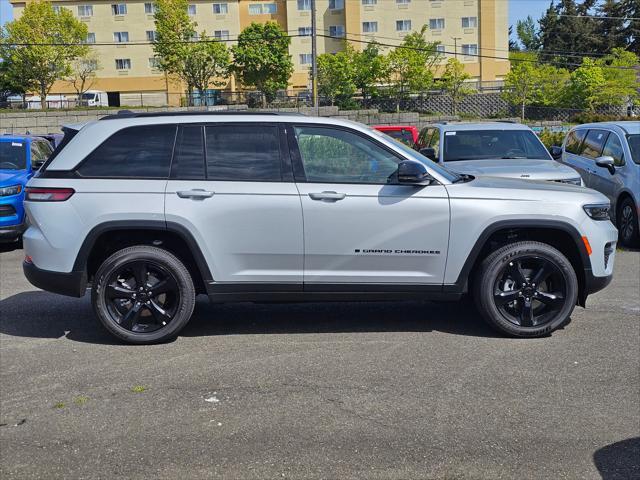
{"x": 143, "y": 294}
{"x": 628, "y": 223}
{"x": 526, "y": 289}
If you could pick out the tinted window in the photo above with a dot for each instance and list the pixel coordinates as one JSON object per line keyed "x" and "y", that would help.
{"x": 40, "y": 151}
{"x": 634, "y": 146}
{"x": 13, "y": 155}
{"x": 405, "y": 136}
{"x": 593, "y": 143}
{"x": 613, "y": 148}
{"x": 243, "y": 153}
{"x": 337, "y": 156}
{"x": 574, "y": 141}
{"x": 425, "y": 135}
{"x": 492, "y": 144}
{"x": 188, "y": 159}
{"x": 139, "y": 152}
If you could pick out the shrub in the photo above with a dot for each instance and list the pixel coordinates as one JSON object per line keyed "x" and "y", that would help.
{"x": 550, "y": 138}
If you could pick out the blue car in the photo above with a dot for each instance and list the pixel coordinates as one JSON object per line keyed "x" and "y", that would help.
{"x": 20, "y": 157}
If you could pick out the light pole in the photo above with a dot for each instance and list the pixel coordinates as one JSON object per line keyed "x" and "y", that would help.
{"x": 314, "y": 57}
{"x": 455, "y": 46}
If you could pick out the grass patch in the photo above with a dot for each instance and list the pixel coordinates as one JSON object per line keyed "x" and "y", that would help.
{"x": 59, "y": 405}
{"x": 138, "y": 388}
{"x": 80, "y": 400}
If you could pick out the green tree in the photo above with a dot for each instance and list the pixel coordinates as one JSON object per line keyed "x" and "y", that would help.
{"x": 621, "y": 78}
{"x": 197, "y": 63}
{"x": 528, "y": 34}
{"x": 453, "y": 82}
{"x": 261, "y": 58}
{"x": 335, "y": 76}
{"x": 41, "y": 44}
{"x": 370, "y": 68}
{"x": 630, "y": 33}
{"x": 586, "y": 84}
{"x": 410, "y": 65}
{"x": 83, "y": 73}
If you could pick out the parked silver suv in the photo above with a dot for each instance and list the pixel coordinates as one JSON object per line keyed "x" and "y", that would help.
{"x": 607, "y": 155}
{"x": 152, "y": 209}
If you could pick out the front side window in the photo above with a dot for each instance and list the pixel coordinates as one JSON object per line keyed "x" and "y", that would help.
{"x": 634, "y": 146}
{"x": 436, "y": 23}
{"x": 134, "y": 152}
{"x": 594, "y": 143}
{"x": 574, "y": 141}
{"x": 492, "y": 145}
{"x": 403, "y": 25}
{"x": 369, "y": 27}
{"x": 13, "y": 155}
{"x": 613, "y": 148}
{"x": 119, "y": 9}
{"x": 120, "y": 37}
{"x": 220, "y": 8}
{"x": 243, "y": 153}
{"x": 85, "y": 10}
{"x": 338, "y": 156}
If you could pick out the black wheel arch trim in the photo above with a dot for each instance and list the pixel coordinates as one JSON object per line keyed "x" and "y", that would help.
{"x": 183, "y": 232}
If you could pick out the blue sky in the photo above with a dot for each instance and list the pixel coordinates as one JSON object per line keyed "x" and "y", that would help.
{"x": 518, "y": 9}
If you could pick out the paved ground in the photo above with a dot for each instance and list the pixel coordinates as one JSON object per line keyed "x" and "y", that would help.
{"x": 391, "y": 390}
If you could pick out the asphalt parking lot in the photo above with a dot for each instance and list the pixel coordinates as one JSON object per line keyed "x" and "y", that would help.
{"x": 382, "y": 390}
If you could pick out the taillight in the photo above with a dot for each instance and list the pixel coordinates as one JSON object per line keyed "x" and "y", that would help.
{"x": 38, "y": 194}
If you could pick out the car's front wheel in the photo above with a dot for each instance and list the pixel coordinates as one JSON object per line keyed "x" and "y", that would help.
{"x": 143, "y": 294}
{"x": 526, "y": 289}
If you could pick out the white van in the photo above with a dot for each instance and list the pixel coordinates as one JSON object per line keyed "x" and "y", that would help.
{"x": 94, "y": 98}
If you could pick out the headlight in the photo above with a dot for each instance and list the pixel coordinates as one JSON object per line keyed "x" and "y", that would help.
{"x": 572, "y": 181}
{"x": 597, "y": 212}
{"x": 12, "y": 190}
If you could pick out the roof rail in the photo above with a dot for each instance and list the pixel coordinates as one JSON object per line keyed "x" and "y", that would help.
{"x": 129, "y": 114}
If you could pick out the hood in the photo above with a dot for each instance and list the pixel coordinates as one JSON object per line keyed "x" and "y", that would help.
{"x": 523, "y": 168}
{"x": 13, "y": 177}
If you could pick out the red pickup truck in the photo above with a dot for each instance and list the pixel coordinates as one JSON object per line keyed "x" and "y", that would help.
{"x": 404, "y": 133}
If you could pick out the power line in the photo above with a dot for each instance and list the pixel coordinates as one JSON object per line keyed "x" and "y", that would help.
{"x": 600, "y": 17}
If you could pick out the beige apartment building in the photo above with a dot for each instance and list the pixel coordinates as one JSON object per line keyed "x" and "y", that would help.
{"x": 121, "y": 31}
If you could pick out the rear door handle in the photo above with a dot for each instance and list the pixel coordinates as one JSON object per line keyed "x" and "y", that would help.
{"x": 196, "y": 193}
{"x": 329, "y": 196}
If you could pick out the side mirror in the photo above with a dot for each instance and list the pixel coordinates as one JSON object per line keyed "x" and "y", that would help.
{"x": 556, "y": 152}
{"x": 428, "y": 152}
{"x": 606, "y": 162}
{"x": 413, "y": 172}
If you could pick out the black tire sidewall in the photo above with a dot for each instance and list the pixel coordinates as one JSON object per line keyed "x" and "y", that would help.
{"x": 154, "y": 255}
{"x": 495, "y": 263}
{"x": 635, "y": 234}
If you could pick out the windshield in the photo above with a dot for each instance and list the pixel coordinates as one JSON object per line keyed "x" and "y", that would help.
{"x": 405, "y": 136}
{"x": 634, "y": 146}
{"x": 13, "y": 155}
{"x": 413, "y": 155}
{"x": 88, "y": 96}
{"x": 493, "y": 144}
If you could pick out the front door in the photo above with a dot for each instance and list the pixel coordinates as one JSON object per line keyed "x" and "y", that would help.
{"x": 601, "y": 179}
{"x": 361, "y": 227}
{"x": 229, "y": 187}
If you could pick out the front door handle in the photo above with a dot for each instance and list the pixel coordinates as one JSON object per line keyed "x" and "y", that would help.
{"x": 196, "y": 193}
{"x": 329, "y": 196}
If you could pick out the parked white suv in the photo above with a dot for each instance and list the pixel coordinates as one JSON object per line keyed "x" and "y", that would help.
{"x": 152, "y": 209}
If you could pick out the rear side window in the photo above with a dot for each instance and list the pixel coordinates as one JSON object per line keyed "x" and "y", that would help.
{"x": 574, "y": 141}
{"x": 134, "y": 152}
{"x": 243, "y": 153}
{"x": 594, "y": 142}
{"x": 188, "y": 160}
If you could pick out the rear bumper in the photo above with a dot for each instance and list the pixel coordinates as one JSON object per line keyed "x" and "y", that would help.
{"x": 11, "y": 233}
{"x": 73, "y": 284}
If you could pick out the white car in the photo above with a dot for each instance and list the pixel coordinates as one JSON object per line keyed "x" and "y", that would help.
{"x": 149, "y": 210}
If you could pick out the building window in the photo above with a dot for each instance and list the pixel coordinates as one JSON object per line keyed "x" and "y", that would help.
{"x": 336, "y": 4}
{"x": 369, "y": 2}
{"x": 369, "y": 27}
{"x": 123, "y": 64}
{"x": 403, "y": 2}
{"x": 56, "y": 8}
{"x": 304, "y": 31}
{"x": 85, "y": 10}
{"x": 263, "y": 9}
{"x": 220, "y": 8}
{"x": 306, "y": 59}
{"x": 120, "y": 37}
{"x": 151, "y": 36}
{"x": 469, "y": 22}
{"x": 304, "y": 5}
{"x": 470, "y": 49}
{"x": 436, "y": 23}
{"x": 91, "y": 38}
{"x": 336, "y": 31}
{"x": 154, "y": 63}
{"x": 440, "y": 48}
{"x": 403, "y": 25}
{"x": 221, "y": 34}
{"x": 150, "y": 8}
{"x": 90, "y": 65}
{"x": 119, "y": 9}
{"x": 191, "y": 9}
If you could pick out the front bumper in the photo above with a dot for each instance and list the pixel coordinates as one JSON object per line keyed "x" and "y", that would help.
{"x": 12, "y": 233}
{"x": 72, "y": 284}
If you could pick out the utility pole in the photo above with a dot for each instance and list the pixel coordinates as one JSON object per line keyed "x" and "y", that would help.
{"x": 314, "y": 57}
{"x": 455, "y": 46}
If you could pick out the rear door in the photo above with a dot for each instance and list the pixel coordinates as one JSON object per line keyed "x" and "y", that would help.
{"x": 592, "y": 149}
{"x": 231, "y": 186}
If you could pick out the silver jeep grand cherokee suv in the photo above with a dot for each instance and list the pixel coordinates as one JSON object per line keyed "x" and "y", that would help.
{"x": 151, "y": 209}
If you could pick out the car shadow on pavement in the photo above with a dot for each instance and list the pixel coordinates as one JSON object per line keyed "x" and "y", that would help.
{"x": 620, "y": 460}
{"x": 39, "y": 314}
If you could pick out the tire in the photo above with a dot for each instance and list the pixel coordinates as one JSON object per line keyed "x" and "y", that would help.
{"x": 143, "y": 295}
{"x": 628, "y": 224}
{"x": 546, "y": 301}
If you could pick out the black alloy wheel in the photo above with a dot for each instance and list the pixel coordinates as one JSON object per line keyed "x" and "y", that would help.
{"x": 628, "y": 224}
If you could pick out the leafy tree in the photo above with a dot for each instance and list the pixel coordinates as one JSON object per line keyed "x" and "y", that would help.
{"x": 261, "y": 58}
{"x": 610, "y": 29}
{"x": 586, "y": 84}
{"x": 631, "y": 29}
{"x": 335, "y": 76}
{"x": 528, "y": 34}
{"x": 41, "y": 45}
{"x": 513, "y": 44}
{"x": 369, "y": 67}
{"x": 621, "y": 80}
{"x": 453, "y": 82}
{"x": 410, "y": 65}
{"x": 197, "y": 63}
{"x": 83, "y": 73}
